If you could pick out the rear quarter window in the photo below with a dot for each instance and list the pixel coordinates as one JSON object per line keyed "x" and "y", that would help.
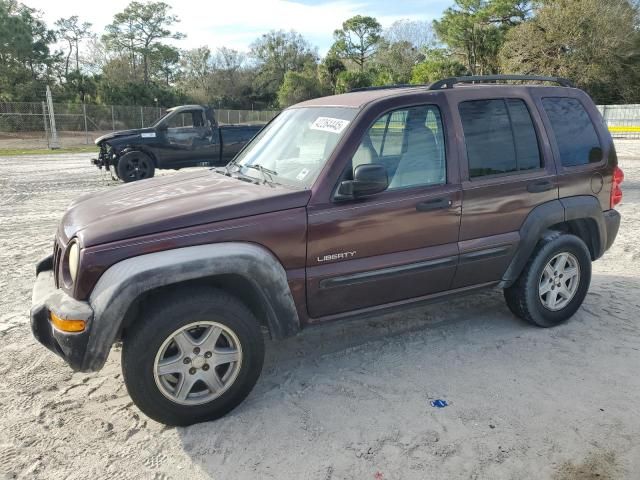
{"x": 574, "y": 131}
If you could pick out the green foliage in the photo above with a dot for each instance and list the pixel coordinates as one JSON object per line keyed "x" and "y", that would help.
{"x": 474, "y": 30}
{"x": 594, "y": 43}
{"x": 165, "y": 63}
{"x": 418, "y": 33}
{"x": 330, "y": 69}
{"x": 138, "y": 93}
{"x": 138, "y": 31}
{"x": 357, "y": 40}
{"x": 73, "y": 32}
{"x": 351, "y": 79}
{"x": 299, "y": 86}
{"x": 394, "y": 62}
{"x": 437, "y": 65}
{"x": 25, "y": 57}
{"x": 277, "y": 53}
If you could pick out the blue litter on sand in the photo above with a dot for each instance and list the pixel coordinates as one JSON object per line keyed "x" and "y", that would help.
{"x": 439, "y": 403}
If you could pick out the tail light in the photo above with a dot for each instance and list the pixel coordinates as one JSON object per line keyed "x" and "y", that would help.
{"x": 616, "y": 191}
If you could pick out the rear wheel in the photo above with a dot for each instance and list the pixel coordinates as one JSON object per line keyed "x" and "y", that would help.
{"x": 554, "y": 282}
{"x": 194, "y": 358}
{"x": 135, "y": 165}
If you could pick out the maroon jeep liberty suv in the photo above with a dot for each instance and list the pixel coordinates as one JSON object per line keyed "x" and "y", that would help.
{"x": 342, "y": 206}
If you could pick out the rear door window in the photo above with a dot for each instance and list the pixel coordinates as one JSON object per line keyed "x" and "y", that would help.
{"x": 499, "y": 136}
{"x": 575, "y": 134}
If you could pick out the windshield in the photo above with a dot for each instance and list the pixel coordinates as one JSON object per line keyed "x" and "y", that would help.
{"x": 294, "y": 147}
{"x": 162, "y": 118}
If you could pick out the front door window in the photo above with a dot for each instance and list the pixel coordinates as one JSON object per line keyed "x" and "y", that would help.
{"x": 410, "y": 144}
{"x": 187, "y": 129}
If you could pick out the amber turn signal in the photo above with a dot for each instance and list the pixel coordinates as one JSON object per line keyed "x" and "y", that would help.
{"x": 67, "y": 325}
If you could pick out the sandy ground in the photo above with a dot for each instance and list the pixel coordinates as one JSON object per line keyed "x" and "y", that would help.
{"x": 348, "y": 400}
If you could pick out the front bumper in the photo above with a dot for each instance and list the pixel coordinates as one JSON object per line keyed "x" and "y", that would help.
{"x": 104, "y": 156}
{"x": 46, "y": 299}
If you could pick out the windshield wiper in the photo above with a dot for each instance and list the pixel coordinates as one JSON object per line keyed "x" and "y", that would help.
{"x": 265, "y": 172}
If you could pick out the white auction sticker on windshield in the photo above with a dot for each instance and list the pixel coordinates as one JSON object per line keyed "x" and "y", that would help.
{"x": 328, "y": 124}
{"x": 303, "y": 174}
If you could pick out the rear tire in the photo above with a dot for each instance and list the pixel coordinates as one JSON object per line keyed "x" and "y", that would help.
{"x": 135, "y": 165}
{"x": 553, "y": 283}
{"x": 194, "y": 356}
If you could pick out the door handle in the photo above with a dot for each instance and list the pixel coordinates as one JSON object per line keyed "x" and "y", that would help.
{"x": 540, "y": 186}
{"x": 434, "y": 204}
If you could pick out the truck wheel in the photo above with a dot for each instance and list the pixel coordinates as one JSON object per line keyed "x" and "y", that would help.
{"x": 554, "y": 282}
{"x": 135, "y": 165}
{"x": 193, "y": 357}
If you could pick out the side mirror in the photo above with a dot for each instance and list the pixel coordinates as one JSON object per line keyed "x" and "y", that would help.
{"x": 368, "y": 179}
{"x": 162, "y": 127}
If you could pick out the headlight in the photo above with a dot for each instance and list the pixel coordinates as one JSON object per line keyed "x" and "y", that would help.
{"x": 74, "y": 261}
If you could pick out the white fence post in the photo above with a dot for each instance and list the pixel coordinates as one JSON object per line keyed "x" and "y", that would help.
{"x": 52, "y": 122}
{"x": 46, "y": 126}
{"x": 86, "y": 130}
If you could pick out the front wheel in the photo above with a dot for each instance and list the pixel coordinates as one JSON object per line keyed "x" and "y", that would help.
{"x": 194, "y": 358}
{"x": 554, "y": 282}
{"x": 135, "y": 165}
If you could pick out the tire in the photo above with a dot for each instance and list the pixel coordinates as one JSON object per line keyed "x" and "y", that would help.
{"x": 135, "y": 165}
{"x": 531, "y": 297}
{"x": 156, "y": 393}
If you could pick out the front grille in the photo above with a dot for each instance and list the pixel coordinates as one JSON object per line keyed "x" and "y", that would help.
{"x": 57, "y": 254}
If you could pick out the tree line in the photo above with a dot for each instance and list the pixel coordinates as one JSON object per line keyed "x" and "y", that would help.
{"x": 595, "y": 43}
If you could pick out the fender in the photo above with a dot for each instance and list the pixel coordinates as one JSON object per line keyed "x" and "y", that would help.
{"x": 552, "y": 213}
{"x": 140, "y": 148}
{"x": 125, "y": 281}
{"x": 586, "y": 206}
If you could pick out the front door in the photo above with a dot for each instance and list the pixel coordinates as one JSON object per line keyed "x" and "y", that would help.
{"x": 189, "y": 139}
{"x": 398, "y": 244}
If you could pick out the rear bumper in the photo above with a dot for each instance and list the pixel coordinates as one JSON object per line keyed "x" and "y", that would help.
{"x": 47, "y": 298}
{"x": 612, "y": 225}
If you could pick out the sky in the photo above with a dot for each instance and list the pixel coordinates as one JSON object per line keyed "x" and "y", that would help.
{"x": 235, "y": 24}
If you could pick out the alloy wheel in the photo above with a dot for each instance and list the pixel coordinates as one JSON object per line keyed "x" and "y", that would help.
{"x": 559, "y": 281}
{"x": 197, "y": 363}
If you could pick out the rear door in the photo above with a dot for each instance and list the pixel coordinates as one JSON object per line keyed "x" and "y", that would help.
{"x": 507, "y": 170}
{"x": 396, "y": 245}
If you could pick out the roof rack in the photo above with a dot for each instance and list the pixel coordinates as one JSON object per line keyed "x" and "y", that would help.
{"x": 386, "y": 87}
{"x": 451, "y": 81}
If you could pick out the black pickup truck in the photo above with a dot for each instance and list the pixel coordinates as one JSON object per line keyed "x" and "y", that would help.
{"x": 185, "y": 136}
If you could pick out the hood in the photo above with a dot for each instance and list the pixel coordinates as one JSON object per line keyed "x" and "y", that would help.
{"x": 171, "y": 202}
{"x": 124, "y": 133}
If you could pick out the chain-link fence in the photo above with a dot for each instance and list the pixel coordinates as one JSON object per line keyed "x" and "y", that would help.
{"x": 28, "y": 125}
{"x": 623, "y": 120}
